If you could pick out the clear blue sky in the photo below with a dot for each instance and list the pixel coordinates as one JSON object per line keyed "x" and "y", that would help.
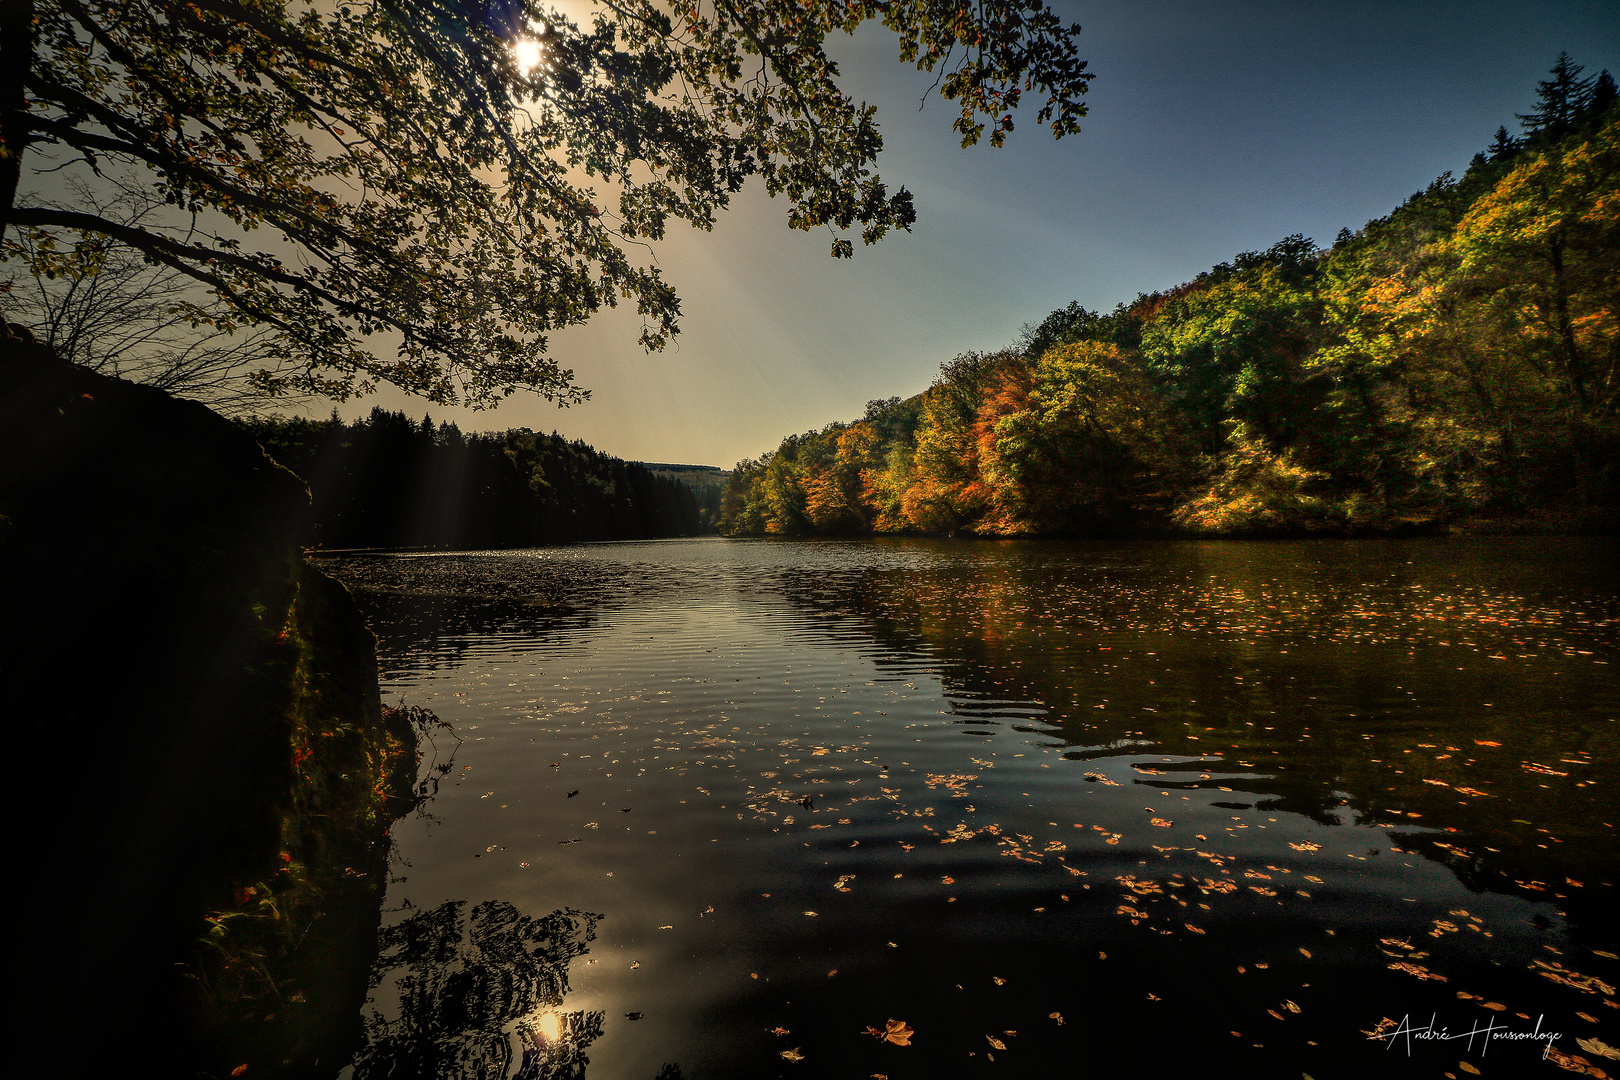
{"x": 1214, "y": 128}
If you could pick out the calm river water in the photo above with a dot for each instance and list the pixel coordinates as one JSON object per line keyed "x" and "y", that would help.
{"x": 906, "y": 808}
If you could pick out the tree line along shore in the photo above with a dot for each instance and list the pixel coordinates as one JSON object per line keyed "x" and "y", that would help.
{"x": 1453, "y": 365}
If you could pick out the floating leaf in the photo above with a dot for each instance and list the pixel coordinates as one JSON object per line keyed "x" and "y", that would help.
{"x": 793, "y": 1055}
{"x": 1562, "y": 975}
{"x": 1598, "y": 1047}
{"x": 995, "y": 1043}
{"x": 1573, "y": 1062}
{"x": 897, "y": 1032}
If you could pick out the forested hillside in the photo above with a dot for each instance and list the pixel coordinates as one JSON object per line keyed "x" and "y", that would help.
{"x": 388, "y": 482}
{"x": 1454, "y": 364}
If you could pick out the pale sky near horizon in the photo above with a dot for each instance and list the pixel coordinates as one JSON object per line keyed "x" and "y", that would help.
{"x": 1213, "y": 129}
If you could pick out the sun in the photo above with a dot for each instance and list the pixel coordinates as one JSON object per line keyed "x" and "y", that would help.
{"x": 526, "y": 54}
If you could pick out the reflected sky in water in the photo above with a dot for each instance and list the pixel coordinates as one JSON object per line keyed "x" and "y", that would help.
{"x": 1033, "y": 799}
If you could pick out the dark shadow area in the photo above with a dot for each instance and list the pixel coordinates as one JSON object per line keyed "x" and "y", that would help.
{"x": 205, "y": 747}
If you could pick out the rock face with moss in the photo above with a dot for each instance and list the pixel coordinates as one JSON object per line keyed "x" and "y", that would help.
{"x": 201, "y": 754}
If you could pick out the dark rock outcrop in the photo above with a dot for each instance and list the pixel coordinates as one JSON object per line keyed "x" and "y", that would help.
{"x": 163, "y": 645}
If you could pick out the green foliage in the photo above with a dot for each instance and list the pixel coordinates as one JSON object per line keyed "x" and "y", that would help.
{"x": 412, "y": 178}
{"x": 1454, "y": 363}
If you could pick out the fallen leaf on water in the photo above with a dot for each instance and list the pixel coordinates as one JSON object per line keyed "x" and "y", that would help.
{"x": 1467, "y": 1068}
{"x": 779, "y": 1031}
{"x": 1159, "y": 821}
{"x": 995, "y": 1043}
{"x": 633, "y": 1015}
{"x": 1598, "y": 1047}
{"x": 1056, "y": 1016}
{"x": 998, "y": 980}
{"x": 635, "y": 964}
{"x": 811, "y": 914}
{"x": 1573, "y": 1062}
{"x": 793, "y": 1055}
{"x": 1562, "y": 975}
{"x": 1494, "y": 1006}
{"x": 1306, "y": 953}
{"x": 897, "y": 1032}
{"x": 1424, "y": 973}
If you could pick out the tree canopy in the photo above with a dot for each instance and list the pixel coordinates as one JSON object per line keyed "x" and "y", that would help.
{"x": 1455, "y": 364}
{"x": 461, "y": 178}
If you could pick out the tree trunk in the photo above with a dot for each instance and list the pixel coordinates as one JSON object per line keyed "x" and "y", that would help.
{"x": 16, "y": 62}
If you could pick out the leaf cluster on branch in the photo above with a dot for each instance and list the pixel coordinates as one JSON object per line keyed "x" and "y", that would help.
{"x": 462, "y": 178}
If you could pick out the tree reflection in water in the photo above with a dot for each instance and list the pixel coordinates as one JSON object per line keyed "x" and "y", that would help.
{"x": 471, "y": 996}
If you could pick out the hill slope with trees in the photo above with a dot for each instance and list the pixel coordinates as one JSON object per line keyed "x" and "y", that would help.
{"x": 388, "y": 482}
{"x": 1455, "y": 364}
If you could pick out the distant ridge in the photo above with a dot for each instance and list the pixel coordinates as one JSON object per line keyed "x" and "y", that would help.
{"x": 681, "y": 468}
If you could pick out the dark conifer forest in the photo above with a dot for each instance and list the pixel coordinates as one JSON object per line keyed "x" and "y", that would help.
{"x": 388, "y": 482}
{"x": 1453, "y": 365}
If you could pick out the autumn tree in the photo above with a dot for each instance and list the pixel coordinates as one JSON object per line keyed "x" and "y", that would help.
{"x": 454, "y": 182}
{"x": 1079, "y": 442}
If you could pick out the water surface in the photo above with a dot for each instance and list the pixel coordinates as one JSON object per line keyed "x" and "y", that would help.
{"x": 916, "y": 808}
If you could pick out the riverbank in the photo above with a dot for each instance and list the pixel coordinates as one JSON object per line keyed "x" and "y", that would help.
{"x": 205, "y": 762}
